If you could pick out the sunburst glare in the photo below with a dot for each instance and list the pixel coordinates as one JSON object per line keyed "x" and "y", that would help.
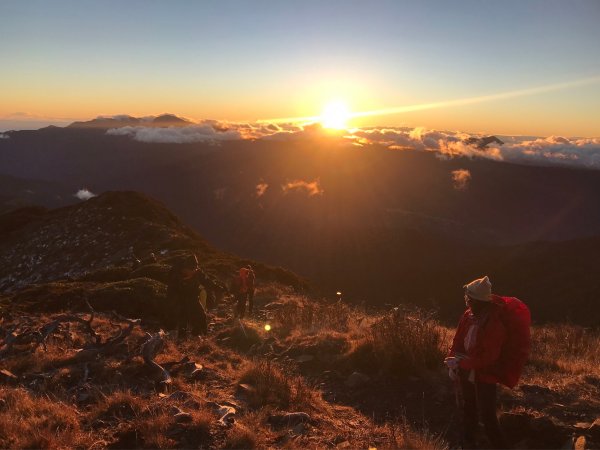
{"x": 335, "y": 115}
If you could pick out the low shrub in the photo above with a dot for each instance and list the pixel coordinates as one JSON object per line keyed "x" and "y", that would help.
{"x": 405, "y": 342}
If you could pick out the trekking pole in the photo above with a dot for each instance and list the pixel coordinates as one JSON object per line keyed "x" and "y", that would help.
{"x": 242, "y": 327}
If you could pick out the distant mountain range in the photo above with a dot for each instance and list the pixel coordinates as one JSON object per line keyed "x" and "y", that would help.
{"x": 164, "y": 120}
{"x": 379, "y": 225}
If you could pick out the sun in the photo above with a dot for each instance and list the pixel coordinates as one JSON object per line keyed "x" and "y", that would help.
{"x": 335, "y": 115}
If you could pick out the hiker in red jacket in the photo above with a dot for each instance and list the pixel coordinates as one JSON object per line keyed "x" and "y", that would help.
{"x": 474, "y": 362}
{"x": 243, "y": 287}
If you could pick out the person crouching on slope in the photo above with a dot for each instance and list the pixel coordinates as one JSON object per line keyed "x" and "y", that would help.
{"x": 472, "y": 362}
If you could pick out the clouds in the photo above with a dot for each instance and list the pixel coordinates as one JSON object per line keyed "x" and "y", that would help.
{"x": 4, "y": 136}
{"x": 205, "y": 132}
{"x": 460, "y": 179}
{"x": 553, "y": 150}
{"x": 311, "y": 188}
{"x": 84, "y": 194}
{"x": 261, "y": 188}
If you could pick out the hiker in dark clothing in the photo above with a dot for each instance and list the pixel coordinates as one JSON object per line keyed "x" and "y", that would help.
{"x": 240, "y": 294}
{"x": 474, "y": 363}
{"x": 185, "y": 285}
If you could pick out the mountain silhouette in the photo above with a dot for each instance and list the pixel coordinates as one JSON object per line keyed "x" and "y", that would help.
{"x": 164, "y": 120}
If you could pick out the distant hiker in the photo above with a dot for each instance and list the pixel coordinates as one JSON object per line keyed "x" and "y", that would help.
{"x": 242, "y": 287}
{"x": 491, "y": 346}
{"x": 185, "y": 290}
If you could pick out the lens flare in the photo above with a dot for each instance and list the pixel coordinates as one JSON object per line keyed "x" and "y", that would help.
{"x": 335, "y": 115}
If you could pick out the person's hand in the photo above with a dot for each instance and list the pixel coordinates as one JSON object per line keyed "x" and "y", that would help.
{"x": 451, "y": 362}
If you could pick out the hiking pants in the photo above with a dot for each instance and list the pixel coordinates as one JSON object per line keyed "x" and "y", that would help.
{"x": 192, "y": 313}
{"x": 251, "y": 301}
{"x": 240, "y": 307}
{"x": 480, "y": 402}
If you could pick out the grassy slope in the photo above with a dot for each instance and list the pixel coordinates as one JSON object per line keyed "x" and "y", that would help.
{"x": 301, "y": 365}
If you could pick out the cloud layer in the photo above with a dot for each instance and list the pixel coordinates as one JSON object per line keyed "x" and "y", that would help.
{"x": 204, "y": 132}
{"x": 553, "y": 150}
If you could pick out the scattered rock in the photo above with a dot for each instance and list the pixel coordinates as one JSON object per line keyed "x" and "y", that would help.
{"x": 6, "y": 376}
{"x": 179, "y": 396}
{"x": 304, "y": 359}
{"x": 357, "y": 380}
{"x": 344, "y": 444}
{"x": 246, "y": 388}
{"x": 194, "y": 370}
{"x": 299, "y": 429}
{"x": 535, "y": 389}
{"x": 289, "y": 418}
{"x": 225, "y": 410}
{"x": 183, "y": 417}
{"x": 594, "y": 430}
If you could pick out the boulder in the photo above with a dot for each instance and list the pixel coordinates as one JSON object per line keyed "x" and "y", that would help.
{"x": 357, "y": 380}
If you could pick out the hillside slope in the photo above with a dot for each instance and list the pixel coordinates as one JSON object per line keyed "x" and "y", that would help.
{"x": 106, "y": 234}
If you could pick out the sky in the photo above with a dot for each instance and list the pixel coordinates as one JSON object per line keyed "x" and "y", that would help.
{"x": 264, "y": 60}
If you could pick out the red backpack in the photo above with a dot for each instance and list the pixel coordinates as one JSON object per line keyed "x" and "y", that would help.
{"x": 516, "y": 318}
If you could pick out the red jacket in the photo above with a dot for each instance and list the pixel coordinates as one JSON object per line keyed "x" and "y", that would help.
{"x": 485, "y": 357}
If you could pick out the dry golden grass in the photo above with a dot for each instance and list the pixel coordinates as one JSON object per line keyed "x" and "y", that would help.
{"x": 29, "y": 421}
{"x": 398, "y": 343}
{"x": 301, "y": 313}
{"x": 271, "y": 387}
{"x": 566, "y": 348}
{"x": 114, "y": 401}
{"x": 241, "y": 437}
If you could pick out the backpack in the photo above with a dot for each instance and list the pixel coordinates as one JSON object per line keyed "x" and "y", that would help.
{"x": 516, "y": 317}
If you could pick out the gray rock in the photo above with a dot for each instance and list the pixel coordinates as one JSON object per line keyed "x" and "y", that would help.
{"x": 304, "y": 358}
{"x": 299, "y": 429}
{"x": 226, "y": 410}
{"x": 357, "y": 380}
{"x": 183, "y": 417}
{"x": 179, "y": 396}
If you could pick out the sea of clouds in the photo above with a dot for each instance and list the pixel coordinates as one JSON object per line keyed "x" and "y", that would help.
{"x": 552, "y": 150}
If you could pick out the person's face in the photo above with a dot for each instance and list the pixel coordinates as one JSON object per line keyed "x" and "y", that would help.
{"x": 475, "y": 305}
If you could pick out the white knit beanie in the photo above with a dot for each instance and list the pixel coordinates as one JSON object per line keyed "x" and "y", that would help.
{"x": 479, "y": 289}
